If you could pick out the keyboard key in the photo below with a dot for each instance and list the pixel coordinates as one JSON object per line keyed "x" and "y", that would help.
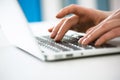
{"x": 68, "y": 43}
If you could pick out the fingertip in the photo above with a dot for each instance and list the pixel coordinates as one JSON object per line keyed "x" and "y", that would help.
{"x": 59, "y": 16}
{"x": 52, "y": 35}
{"x": 98, "y": 42}
{"x": 57, "y": 39}
{"x": 84, "y": 42}
{"x": 80, "y": 40}
{"x": 51, "y": 29}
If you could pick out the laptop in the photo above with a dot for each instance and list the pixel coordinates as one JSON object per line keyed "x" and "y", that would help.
{"x": 18, "y": 32}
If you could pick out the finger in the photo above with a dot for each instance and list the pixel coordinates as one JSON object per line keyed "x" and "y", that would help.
{"x": 68, "y": 23}
{"x": 56, "y": 28}
{"x": 101, "y": 29}
{"x": 108, "y": 36}
{"x": 72, "y": 9}
{"x": 90, "y": 29}
{"x": 50, "y": 29}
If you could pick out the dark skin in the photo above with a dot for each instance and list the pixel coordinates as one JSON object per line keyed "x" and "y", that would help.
{"x": 82, "y": 20}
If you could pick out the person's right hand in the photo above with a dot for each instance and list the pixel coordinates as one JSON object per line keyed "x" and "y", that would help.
{"x": 83, "y": 19}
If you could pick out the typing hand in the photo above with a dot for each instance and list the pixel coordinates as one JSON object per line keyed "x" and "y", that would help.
{"x": 103, "y": 32}
{"x": 81, "y": 20}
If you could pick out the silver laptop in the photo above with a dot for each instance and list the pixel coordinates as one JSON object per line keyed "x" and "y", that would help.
{"x": 16, "y": 29}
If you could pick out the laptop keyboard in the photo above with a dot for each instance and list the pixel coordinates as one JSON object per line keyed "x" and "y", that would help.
{"x": 68, "y": 43}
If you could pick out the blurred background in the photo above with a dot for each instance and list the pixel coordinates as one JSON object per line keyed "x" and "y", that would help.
{"x": 46, "y": 10}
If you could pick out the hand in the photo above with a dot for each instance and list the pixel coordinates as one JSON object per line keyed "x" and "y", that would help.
{"x": 82, "y": 19}
{"x": 106, "y": 30}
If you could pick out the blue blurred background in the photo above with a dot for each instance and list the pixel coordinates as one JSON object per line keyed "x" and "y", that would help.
{"x": 40, "y": 10}
{"x": 32, "y": 9}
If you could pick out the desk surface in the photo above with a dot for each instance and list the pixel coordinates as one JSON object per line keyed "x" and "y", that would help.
{"x": 17, "y": 65}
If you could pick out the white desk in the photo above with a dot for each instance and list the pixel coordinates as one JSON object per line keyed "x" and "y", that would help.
{"x": 17, "y": 65}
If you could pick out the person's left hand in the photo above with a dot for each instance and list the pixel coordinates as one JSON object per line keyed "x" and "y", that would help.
{"x": 82, "y": 19}
{"x": 104, "y": 31}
